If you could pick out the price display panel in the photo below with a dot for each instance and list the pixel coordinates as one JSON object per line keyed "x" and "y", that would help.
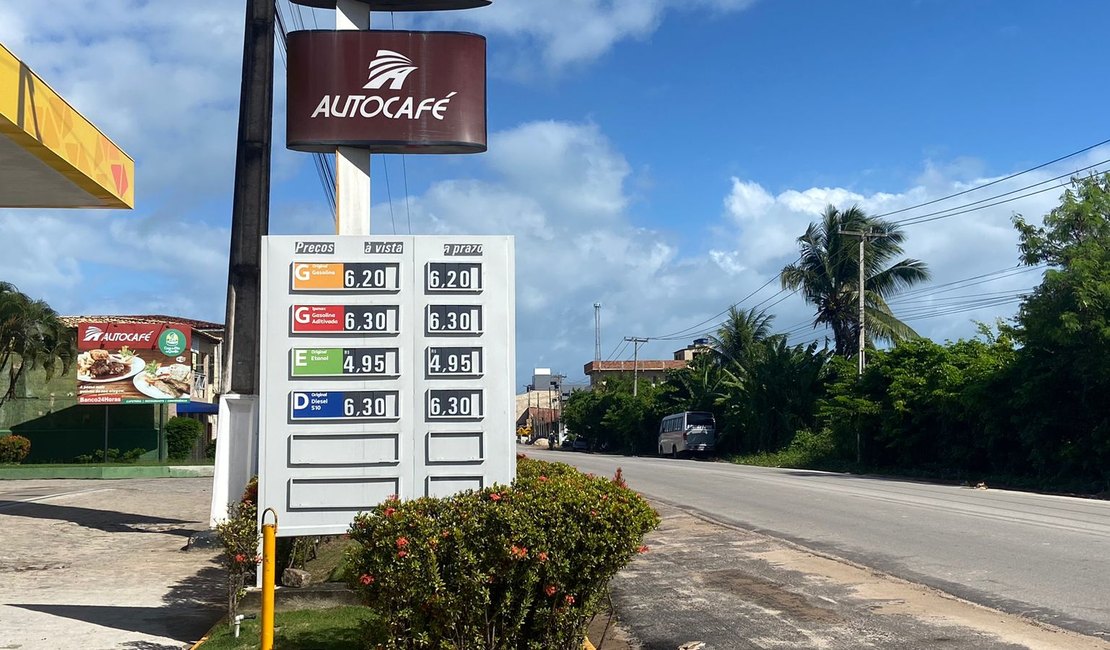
{"x": 345, "y": 362}
{"x": 362, "y": 277}
{"x": 454, "y": 405}
{"x": 453, "y": 320}
{"x": 348, "y": 406}
{"x": 453, "y": 362}
{"x": 381, "y": 320}
{"x": 453, "y": 277}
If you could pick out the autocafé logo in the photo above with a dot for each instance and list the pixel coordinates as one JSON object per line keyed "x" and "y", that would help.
{"x": 95, "y": 334}
{"x": 392, "y": 68}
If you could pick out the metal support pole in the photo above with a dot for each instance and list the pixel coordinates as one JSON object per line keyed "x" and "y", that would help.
{"x": 862, "y": 320}
{"x": 635, "y": 362}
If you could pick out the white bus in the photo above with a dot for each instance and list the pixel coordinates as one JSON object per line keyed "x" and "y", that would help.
{"x": 694, "y": 431}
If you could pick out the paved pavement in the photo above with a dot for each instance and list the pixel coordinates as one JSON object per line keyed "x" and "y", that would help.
{"x": 99, "y": 564}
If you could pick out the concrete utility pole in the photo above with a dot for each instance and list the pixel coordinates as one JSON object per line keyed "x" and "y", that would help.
{"x": 250, "y": 211}
{"x": 352, "y": 164}
{"x": 862, "y": 285}
{"x": 635, "y": 362}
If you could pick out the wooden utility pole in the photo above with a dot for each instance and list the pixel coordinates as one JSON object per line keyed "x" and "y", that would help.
{"x": 635, "y": 362}
{"x": 250, "y": 210}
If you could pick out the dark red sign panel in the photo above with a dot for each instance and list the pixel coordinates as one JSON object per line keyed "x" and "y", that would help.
{"x": 403, "y": 5}
{"x": 133, "y": 363}
{"x": 387, "y": 91}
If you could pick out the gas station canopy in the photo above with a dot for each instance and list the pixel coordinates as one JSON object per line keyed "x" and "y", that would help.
{"x": 51, "y": 156}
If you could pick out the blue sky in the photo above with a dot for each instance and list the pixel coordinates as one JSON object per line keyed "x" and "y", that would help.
{"x": 659, "y": 156}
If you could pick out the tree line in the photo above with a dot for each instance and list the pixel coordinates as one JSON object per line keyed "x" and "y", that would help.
{"x": 1024, "y": 402}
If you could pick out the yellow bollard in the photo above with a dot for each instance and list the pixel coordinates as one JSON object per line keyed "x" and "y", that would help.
{"x": 269, "y": 535}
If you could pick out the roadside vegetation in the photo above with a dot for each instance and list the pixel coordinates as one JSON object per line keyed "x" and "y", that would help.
{"x": 1023, "y": 403}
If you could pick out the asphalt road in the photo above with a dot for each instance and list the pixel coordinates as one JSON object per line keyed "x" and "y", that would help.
{"x": 1046, "y": 558}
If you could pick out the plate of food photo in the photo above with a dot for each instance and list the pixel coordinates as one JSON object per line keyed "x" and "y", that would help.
{"x": 172, "y": 381}
{"x": 102, "y": 366}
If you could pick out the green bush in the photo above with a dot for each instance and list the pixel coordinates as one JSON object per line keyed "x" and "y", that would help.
{"x": 13, "y": 449}
{"x": 239, "y": 536}
{"x": 181, "y": 435}
{"x": 506, "y": 567}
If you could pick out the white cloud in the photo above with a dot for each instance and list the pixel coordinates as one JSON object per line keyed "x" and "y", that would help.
{"x": 575, "y": 31}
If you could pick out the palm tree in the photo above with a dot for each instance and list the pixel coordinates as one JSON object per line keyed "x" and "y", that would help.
{"x": 738, "y": 340}
{"x": 31, "y": 336}
{"x": 828, "y": 275}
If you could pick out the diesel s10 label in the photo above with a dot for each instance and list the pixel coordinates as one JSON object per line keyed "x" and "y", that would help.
{"x": 351, "y": 405}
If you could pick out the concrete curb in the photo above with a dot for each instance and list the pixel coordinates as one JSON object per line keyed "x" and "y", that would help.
{"x": 105, "y": 471}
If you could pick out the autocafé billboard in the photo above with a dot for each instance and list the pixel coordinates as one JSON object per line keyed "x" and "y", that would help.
{"x": 133, "y": 363}
{"x": 386, "y": 91}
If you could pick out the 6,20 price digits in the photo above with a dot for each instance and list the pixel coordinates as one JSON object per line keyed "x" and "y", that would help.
{"x": 453, "y": 277}
{"x": 454, "y": 405}
{"x": 454, "y": 362}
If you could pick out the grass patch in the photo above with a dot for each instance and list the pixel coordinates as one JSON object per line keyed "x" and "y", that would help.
{"x": 337, "y": 628}
{"x": 329, "y": 565}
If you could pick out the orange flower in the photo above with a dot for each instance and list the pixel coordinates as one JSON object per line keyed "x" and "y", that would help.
{"x": 401, "y": 554}
{"x": 543, "y": 479}
{"x": 389, "y": 511}
{"x": 518, "y": 552}
{"x": 366, "y": 579}
{"x": 643, "y": 548}
{"x": 550, "y": 590}
{"x": 542, "y": 556}
{"x": 570, "y": 599}
{"x": 402, "y": 542}
{"x": 494, "y": 496}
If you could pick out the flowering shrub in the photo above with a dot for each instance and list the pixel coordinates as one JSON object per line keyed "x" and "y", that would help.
{"x": 13, "y": 449}
{"x": 507, "y": 567}
{"x": 239, "y": 535}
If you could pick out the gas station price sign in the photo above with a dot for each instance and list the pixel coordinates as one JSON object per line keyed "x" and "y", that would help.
{"x": 455, "y": 405}
{"x": 454, "y": 320}
{"x": 383, "y": 277}
{"x": 345, "y": 362}
{"x": 355, "y": 405}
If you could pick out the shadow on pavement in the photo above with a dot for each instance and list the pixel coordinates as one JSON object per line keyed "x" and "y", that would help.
{"x": 191, "y": 607}
{"x": 108, "y": 521}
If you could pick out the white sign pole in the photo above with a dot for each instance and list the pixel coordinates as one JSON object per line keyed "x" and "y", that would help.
{"x": 352, "y": 164}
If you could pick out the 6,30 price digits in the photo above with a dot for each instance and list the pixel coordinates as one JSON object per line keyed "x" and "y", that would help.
{"x": 377, "y": 319}
{"x": 453, "y": 277}
{"x": 454, "y": 362}
{"x": 454, "y": 319}
{"x": 454, "y": 405}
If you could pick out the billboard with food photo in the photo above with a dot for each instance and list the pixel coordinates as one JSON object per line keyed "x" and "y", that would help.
{"x": 133, "y": 363}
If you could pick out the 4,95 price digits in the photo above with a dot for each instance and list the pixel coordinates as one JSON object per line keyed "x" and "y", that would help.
{"x": 454, "y": 405}
{"x": 454, "y": 362}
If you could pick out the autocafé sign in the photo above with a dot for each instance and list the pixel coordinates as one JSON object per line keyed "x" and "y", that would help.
{"x": 387, "y": 91}
{"x": 133, "y": 363}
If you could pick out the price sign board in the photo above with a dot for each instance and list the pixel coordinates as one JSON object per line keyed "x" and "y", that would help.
{"x": 387, "y": 368}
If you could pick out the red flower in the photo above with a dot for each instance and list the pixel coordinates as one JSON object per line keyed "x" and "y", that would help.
{"x": 240, "y": 558}
{"x": 542, "y": 556}
{"x": 388, "y": 512}
{"x": 366, "y": 579}
{"x": 550, "y": 590}
{"x": 401, "y": 554}
{"x": 593, "y": 513}
{"x": 402, "y": 542}
{"x": 518, "y": 552}
{"x": 494, "y": 496}
{"x": 570, "y": 599}
{"x": 643, "y": 548}
{"x": 543, "y": 479}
